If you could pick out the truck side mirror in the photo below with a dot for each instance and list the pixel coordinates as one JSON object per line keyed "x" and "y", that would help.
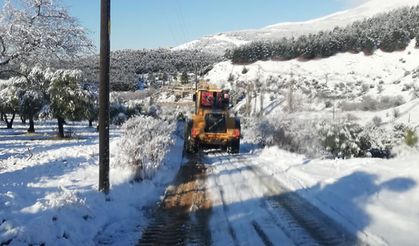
{"x": 194, "y": 97}
{"x": 225, "y": 98}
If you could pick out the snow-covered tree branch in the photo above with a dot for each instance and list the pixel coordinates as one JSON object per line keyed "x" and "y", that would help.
{"x": 39, "y": 32}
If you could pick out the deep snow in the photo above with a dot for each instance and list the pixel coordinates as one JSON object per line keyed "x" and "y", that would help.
{"x": 48, "y": 189}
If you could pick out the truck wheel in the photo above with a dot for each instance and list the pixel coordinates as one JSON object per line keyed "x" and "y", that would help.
{"x": 224, "y": 148}
{"x": 234, "y": 146}
{"x": 238, "y": 125}
{"x": 189, "y": 145}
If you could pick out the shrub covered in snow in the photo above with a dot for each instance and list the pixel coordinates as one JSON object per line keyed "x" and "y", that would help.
{"x": 411, "y": 138}
{"x": 144, "y": 144}
{"x": 121, "y": 111}
{"x": 377, "y": 120}
{"x": 369, "y": 103}
{"x": 347, "y": 139}
{"x": 290, "y": 134}
{"x": 387, "y": 102}
{"x": 342, "y": 139}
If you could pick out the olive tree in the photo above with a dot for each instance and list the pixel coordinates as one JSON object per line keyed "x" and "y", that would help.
{"x": 9, "y": 103}
{"x": 33, "y": 95}
{"x": 38, "y": 32}
{"x": 68, "y": 100}
{"x": 92, "y": 96}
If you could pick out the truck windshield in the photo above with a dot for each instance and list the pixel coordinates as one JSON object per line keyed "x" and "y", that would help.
{"x": 218, "y": 100}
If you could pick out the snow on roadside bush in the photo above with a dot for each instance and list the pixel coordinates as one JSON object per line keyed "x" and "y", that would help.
{"x": 120, "y": 111}
{"x": 290, "y": 134}
{"x": 144, "y": 144}
{"x": 341, "y": 139}
{"x": 369, "y": 103}
{"x": 347, "y": 139}
{"x": 411, "y": 138}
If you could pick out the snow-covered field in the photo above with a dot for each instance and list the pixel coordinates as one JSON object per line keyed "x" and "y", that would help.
{"x": 48, "y": 189}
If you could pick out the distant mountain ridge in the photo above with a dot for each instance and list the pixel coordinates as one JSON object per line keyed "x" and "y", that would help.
{"x": 218, "y": 43}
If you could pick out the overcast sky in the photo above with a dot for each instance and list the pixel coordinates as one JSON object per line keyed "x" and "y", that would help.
{"x": 166, "y": 23}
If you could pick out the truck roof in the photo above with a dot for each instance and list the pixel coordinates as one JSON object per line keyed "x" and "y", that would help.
{"x": 212, "y": 90}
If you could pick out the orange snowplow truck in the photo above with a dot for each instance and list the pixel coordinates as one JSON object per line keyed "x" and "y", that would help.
{"x": 212, "y": 126}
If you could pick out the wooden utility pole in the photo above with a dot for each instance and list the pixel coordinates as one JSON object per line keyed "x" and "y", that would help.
{"x": 262, "y": 95}
{"x": 105, "y": 26}
{"x": 291, "y": 95}
{"x": 196, "y": 78}
{"x": 248, "y": 99}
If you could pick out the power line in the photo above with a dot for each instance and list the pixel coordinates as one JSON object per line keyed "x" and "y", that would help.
{"x": 170, "y": 27}
{"x": 181, "y": 20}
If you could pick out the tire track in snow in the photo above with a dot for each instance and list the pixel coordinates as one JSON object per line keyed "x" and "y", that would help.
{"x": 232, "y": 218}
{"x": 278, "y": 215}
{"x": 303, "y": 223}
{"x": 245, "y": 214}
{"x": 362, "y": 238}
{"x": 262, "y": 234}
{"x": 182, "y": 217}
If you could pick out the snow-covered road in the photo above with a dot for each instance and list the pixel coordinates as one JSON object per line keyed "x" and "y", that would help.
{"x": 251, "y": 207}
{"x": 223, "y": 199}
{"x": 274, "y": 197}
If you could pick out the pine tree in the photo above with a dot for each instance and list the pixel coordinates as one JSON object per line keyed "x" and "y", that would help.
{"x": 395, "y": 40}
{"x": 389, "y": 32}
{"x": 184, "y": 78}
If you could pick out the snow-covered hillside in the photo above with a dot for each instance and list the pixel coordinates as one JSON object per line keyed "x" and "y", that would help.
{"x": 222, "y": 41}
{"x": 345, "y": 77}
